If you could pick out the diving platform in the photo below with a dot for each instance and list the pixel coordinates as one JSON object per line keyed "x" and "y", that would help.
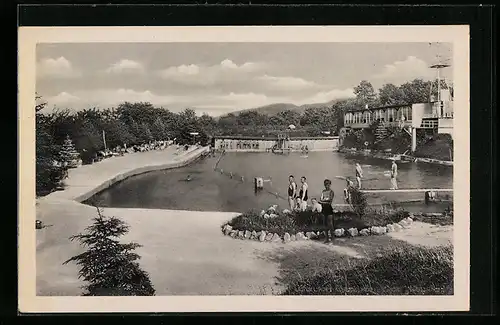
{"x": 408, "y": 190}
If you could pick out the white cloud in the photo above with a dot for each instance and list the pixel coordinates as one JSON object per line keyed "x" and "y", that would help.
{"x": 63, "y": 98}
{"x": 125, "y": 66}
{"x": 225, "y": 72}
{"x": 403, "y": 71}
{"x": 326, "y": 96}
{"x": 287, "y": 83}
{"x": 57, "y": 68}
{"x": 215, "y": 104}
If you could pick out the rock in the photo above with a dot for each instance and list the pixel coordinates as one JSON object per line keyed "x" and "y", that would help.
{"x": 262, "y": 235}
{"x": 293, "y": 238}
{"x": 247, "y": 234}
{"x": 383, "y": 230}
{"x": 311, "y": 235}
{"x": 271, "y": 209}
{"x": 353, "y": 232}
{"x": 286, "y": 237}
{"x": 339, "y": 232}
{"x": 404, "y": 223}
{"x": 375, "y": 230}
{"x": 233, "y": 233}
{"x": 228, "y": 230}
{"x": 254, "y": 235}
{"x": 241, "y": 234}
{"x": 269, "y": 237}
{"x": 390, "y": 228}
{"x": 409, "y": 220}
{"x": 274, "y": 206}
{"x": 286, "y": 211}
{"x": 300, "y": 236}
{"x": 273, "y": 215}
{"x": 276, "y": 238}
{"x": 266, "y": 216}
{"x": 262, "y": 213}
{"x": 397, "y": 227}
{"x": 364, "y": 232}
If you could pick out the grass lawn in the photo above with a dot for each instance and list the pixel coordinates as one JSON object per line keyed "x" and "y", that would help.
{"x": 363, "y": 266}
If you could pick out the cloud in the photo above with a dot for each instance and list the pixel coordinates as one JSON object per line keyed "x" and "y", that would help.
{"x": 287, "y": 83}
{"x": 56, "y": 68}
{"x": 215, "y": 104}
{"x": 63, "y": 98}
{"x": 326, "y": 96}
{"x": 225, "y": 72}
{"x": 403, "y": 71}
{"x": 125, "y": 66}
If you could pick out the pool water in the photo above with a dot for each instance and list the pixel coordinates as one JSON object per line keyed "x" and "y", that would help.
{"x": 215, "y": 190}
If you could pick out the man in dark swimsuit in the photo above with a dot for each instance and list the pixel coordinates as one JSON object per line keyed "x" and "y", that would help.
{"x": 303, "y": 193}
{"x": 292, "y": 192}
{"x": 326, "y": 203}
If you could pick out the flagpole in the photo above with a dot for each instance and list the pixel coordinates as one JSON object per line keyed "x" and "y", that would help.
{"x": 104, "y": 139}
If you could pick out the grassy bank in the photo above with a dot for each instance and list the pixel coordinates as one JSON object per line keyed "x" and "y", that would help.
{"x": 391, "y": 268}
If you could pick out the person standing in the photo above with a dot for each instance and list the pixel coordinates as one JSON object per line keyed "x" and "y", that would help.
{"x": 292, "y": 192}
{"x": 394, "y": 174}
{"x": 359, "y": 174}
{"x": 326, "y": 208}
{"x": 303, "y": 193}
{"x": 347, "y": 190}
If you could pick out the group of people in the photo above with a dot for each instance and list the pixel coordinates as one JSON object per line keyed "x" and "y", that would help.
{"x": 298, "y": 197}
{"x": 393, "y": 175}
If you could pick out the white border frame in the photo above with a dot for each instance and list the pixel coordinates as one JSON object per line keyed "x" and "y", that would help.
{"x": 28, "y": 37}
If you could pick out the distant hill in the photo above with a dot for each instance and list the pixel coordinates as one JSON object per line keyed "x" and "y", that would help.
{"x": 274, "y": 109}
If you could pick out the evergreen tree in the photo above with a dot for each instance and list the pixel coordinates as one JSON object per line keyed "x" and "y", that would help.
{"x": 68, "y": 153}
{"x": 108, "y": 266}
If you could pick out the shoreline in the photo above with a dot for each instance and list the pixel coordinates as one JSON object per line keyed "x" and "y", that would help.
{"x": 389, "y": 156}
{"x": 79, "y": 188}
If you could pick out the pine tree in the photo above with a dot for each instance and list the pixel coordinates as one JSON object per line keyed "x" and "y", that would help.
{"x": 68, "y": 154}
{"x": 109, "y": 267}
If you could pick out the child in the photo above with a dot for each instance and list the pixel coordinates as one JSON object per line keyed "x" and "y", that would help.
{"x": 298, "y": 205}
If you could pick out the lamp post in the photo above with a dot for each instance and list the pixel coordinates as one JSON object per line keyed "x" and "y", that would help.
{"x": 194, "y": 134}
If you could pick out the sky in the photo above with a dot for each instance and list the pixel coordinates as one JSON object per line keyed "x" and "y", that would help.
{"x": 217, "y": 78}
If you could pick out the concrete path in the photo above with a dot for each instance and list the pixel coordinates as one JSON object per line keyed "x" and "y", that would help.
{"x": 184, "y": 252}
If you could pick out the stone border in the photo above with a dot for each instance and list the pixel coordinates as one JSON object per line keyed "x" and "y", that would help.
{"x": 262, "y": 236}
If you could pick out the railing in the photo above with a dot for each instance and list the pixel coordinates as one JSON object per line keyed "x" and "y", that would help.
{"x": 431, "y": 124}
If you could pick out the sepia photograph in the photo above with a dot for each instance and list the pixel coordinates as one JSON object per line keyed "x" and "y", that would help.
{"x": 239, "y": 163}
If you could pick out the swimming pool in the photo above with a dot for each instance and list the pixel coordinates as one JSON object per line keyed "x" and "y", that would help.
{"x": 210, "y": 190}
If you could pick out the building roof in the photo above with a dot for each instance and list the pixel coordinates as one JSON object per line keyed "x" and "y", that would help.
{"x": 377, "y": 108}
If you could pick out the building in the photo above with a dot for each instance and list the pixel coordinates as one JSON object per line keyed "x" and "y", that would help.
{"x": 246, "y": 143}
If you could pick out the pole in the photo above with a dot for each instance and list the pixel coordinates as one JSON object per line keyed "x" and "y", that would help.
{"x": 413, "y": 139}
{"x": 104, "y": 139}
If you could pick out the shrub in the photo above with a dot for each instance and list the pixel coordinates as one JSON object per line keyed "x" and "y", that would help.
{"x": 357, "y": 202}
{"x": 109, "y": 267}
{"x": 419, "y": 271}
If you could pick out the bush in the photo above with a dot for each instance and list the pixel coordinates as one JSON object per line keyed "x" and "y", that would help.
{"x": 419, "y": 271}
{"x": 109, "y": 267}
{"x": 357, "y": 201}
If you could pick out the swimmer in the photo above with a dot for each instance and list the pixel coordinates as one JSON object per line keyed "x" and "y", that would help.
{"x": 292, "y": 192}
{"x": 359, "y": 174}
{"x": 303, "y": 193}
{"x": 394, "y": 174}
